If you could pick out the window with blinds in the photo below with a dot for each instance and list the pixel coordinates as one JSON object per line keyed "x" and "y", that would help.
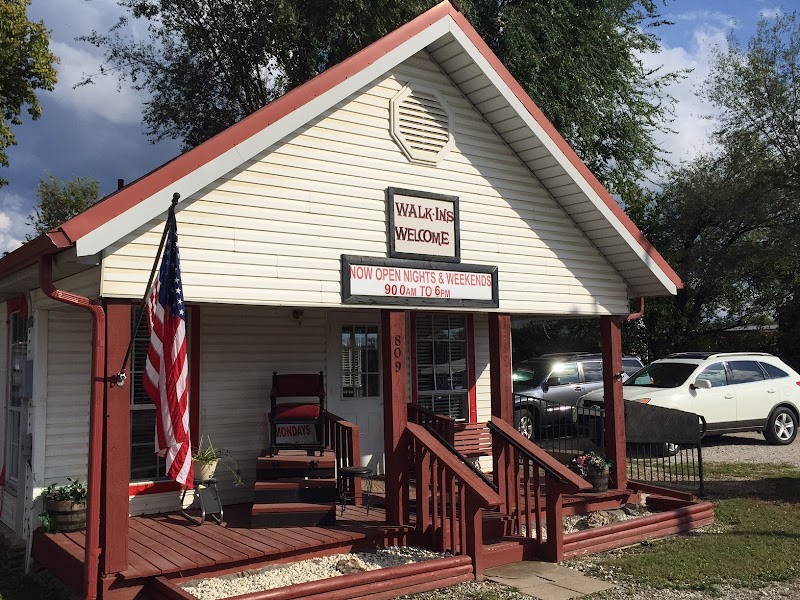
{"x": 145, "y": 464}
{"x": 442, "y": 364}
{"x": 360, "y": 370}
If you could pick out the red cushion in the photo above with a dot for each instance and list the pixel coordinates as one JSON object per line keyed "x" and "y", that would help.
{"x": 297, "y": 411}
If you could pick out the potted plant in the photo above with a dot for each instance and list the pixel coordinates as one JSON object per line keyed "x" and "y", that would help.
{"x": 64, "y": 506}
{"x": 208, "y": 456}
{"x": 593, "y": 467}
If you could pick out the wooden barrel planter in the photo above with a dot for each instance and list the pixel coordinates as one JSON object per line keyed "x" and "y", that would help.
{"x": 66, "y": 515}
{"x": 598, "y": 478}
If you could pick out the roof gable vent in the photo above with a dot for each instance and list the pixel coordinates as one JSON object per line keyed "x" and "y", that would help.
{"x": 421, "y": 124}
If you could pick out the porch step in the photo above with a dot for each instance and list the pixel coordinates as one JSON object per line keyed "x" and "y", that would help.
{"x": 295, "y": 465}
{"x": 306, "y": 490}
{"x": 293, "y": 514}
{"x": 503, "y": 551}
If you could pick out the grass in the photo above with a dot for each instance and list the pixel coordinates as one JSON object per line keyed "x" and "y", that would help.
{"x": 755, "y": 539}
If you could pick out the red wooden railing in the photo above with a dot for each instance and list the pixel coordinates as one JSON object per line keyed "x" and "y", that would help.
{"x": 343, "y": 438}
{"x": 519, "y": 464}
{"x": 441, "y": 424}
{"x": 449, "y": 499}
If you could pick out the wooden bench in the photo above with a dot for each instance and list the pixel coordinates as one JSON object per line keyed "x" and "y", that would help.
{"x": 472, "y": 440}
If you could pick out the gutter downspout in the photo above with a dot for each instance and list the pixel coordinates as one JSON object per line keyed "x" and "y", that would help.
{"x": 636, "y": 315}
{"x": 92, "y": 552}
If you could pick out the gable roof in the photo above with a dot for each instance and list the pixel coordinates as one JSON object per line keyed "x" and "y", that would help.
{"x": 460, "y": 52}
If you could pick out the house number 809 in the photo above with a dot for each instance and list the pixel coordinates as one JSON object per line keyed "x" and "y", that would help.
{"x": 398, "y": 353}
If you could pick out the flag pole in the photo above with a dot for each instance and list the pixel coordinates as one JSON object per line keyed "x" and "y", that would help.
{"x": 121, "y": 376}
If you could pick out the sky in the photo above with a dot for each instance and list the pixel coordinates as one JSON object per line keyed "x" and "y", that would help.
{"x": 96, "y": 130}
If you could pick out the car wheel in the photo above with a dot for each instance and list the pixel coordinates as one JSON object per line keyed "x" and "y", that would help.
{"x": 524, "y": 422}
{"x": 781, "y": 426}
{"x": 670, "y": 449}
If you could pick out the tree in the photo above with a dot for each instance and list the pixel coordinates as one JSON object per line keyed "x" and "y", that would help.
{"x": 209, "y": 63}
{"x": 26, "y": 65}
{"x": 59, "y": 201}
{"x": 726, "y": 225}
{"x": 759, "y": 93}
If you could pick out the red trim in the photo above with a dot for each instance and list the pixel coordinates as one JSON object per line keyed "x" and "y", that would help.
{"x": 570, "y": 154}
{"x": 412, "y": 342}
{"x": 17, "y": 305}
{"x": 194, "y": 375}
{"x": 153, "y": 487}
{"x": 473, "y": 394}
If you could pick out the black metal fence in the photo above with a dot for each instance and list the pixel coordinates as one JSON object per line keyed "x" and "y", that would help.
{"x": 664, "y": 446}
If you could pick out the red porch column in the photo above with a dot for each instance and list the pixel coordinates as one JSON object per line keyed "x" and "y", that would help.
{"x": 611, "y": 334}
{"x": 394, "y": 350}
{"x": 116, "y": 443}
{"x": 502, "y": 392}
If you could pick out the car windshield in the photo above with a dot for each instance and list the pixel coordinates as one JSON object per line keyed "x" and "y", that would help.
{"x": 662, "y": 375}
{"x": 530, "y": 374}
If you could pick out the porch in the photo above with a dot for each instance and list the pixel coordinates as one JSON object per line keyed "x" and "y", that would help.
{"x": 166, "y": 549}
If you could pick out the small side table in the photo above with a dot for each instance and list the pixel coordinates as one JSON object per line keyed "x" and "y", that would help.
{"x": 202, "y": 486}
{"x": 350, "y": 473}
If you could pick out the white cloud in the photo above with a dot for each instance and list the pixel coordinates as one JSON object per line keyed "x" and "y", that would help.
{"x": 102, "y": 98}
{"x": 695, "y": 118}
{"x": 12, "y": 220}
{"x": 704, "y": 16}
{"x": 770, "y": 13}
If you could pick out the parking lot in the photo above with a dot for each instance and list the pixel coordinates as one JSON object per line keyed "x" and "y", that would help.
{"x": 749, "y": 448}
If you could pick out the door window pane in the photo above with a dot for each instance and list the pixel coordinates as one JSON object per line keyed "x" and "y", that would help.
{"x": 592, "y": 371}
{"x": 746, "y": 371}
{"x": 442, "y": 364}
{"x": 567, "y": 373}
{"x": 715, "y": 374}
{"x": 360, "y": 361}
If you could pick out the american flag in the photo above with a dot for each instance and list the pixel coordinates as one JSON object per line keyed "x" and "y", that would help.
{"x": 166, "y": 371}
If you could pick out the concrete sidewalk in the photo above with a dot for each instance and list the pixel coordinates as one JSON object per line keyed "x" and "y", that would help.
{"x": 546, "y": 581}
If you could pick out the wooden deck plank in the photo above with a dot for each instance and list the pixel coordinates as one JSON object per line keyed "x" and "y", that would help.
{"x": 254, "y": 547}
{"x": 279, "y": 544}
{"x": 159, "y": 563}
{"x": 174, "y": 550}
{"x": 302, "y": 538}
{"x": 329, "y": 535}
{"x": 210, "y": 555}
{"x": 227, "y": 553}
{"x": 273, "y": 536}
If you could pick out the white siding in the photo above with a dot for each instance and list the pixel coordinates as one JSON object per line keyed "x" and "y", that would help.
{"x": 273, "y": 231}
{"x": 69, "y": 358}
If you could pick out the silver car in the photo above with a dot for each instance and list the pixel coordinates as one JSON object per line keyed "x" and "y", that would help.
{"x": 546, "y": 389}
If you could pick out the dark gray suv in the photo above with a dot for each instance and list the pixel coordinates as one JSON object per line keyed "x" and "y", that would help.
{"x": 546, "y": 389}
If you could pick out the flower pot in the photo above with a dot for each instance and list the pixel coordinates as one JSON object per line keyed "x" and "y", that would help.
{"x": 598, "y": 478}
{"x": 66, "y": 515}
{"x": 204, "y": 470}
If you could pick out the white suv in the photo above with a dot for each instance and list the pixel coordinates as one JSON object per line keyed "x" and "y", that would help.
{"x": 734, "y": 391}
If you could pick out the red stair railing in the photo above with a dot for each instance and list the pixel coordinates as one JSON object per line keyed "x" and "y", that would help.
{"x": 449, "y": 499}
{"x": 343, "y": 438}
{"x": 442, "y": 424}
{"x": 519, "y": 480}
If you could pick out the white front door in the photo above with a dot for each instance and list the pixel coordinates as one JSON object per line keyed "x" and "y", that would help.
{"x": 354, "y": 380}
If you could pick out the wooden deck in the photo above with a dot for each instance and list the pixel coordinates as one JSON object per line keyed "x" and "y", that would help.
{"x": 170, "y": 545}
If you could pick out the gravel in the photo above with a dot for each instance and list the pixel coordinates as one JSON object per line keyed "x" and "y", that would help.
{"x": 749, "y": 448}
{"x": 276, "y": 576}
